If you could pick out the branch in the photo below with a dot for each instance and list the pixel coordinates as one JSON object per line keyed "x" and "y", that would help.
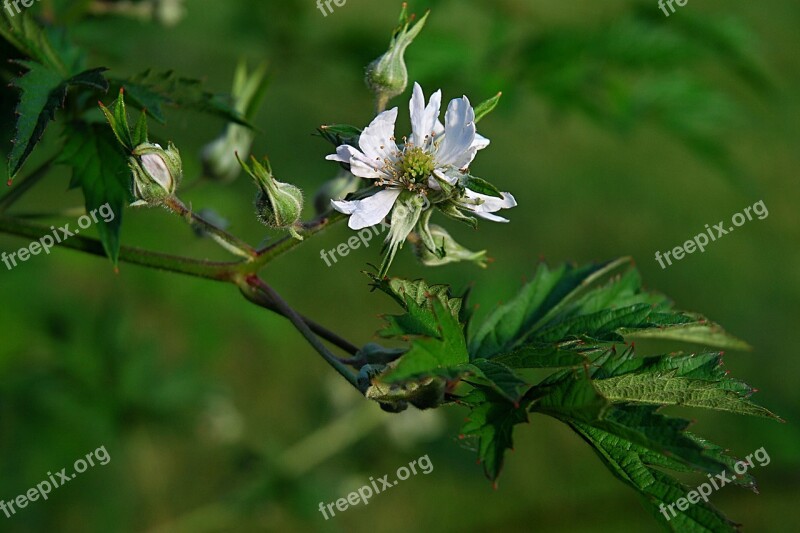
{"x": 230, "y": 242}
{"x": 170, "y": 263}
{"x": 303, "y": 328}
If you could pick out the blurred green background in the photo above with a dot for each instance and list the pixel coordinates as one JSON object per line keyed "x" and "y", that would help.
{"x": 621, "y": 132}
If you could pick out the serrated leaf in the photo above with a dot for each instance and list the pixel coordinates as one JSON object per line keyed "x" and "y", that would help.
{"x": 669, "y": 389}
{"x": 498, "y": 377}
{"x": 43, "y": 91}
{"x": 634, "y": 465}
{"x": 566, "y": 304}
{"x": 509, "y": 324}
{"x": 416, "y": 297}
{"x": 440, "y": 354}
{"x": 100, "y": 169}
{"x": 572, "y": 398}
{"x": 153, "y": 90}
{"x": 544, "y": 356}
{"x": 491, "y": 422}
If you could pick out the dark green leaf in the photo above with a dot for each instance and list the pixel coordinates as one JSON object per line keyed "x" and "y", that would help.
{"x": 100, "y": 168}
{"x": 491, "y": 422}
{"x": 152, "y": 91}
{"x": 43, "y": 91}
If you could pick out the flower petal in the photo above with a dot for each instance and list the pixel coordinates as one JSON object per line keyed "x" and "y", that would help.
{"x": 493, "y": 218}
{"x": 480, "y": 141}
{"x": 440, "y": 173}
{"x": 377, "y": 139}
{"x": 424, "y": 119}
{"x": 360, "y": 165}
{"x": 456, "y": 148}
{"x": 482, "y": 203}
{"x": 368, "y": 211}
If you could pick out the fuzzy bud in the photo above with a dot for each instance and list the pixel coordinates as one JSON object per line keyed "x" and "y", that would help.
{"x": 278, "y": 205}
{"x": 156, "y": 173}
{"x": 387, "y": 76}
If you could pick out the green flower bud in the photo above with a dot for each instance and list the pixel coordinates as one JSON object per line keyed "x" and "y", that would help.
{"x": 387, "y": 76}
{"x": 278, "y": 205}
{"x": 156, "y": 173}
{"x": 445, "y": 250}
{"x": 336, "y": 189}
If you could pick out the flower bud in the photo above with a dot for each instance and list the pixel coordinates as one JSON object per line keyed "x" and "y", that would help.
{"x": 156, "y": 173}
{"x": 387, "y": 76}
{"x": 446, "y": 250}
{"x": 278, "y": 205}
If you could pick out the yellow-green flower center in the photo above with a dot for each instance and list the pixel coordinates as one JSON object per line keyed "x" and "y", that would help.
{"x": 417, "y": 164}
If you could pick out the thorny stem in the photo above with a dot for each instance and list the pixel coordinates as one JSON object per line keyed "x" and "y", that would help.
{"x": 242, "y": 273}
{"x": 233, "y": 272}
{"x": 256, "y": 296}
{"x": 230, "y": 242}
{"x": 303, "y": 328}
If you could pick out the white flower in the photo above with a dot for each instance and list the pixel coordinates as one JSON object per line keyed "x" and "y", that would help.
{"x": 435, "y": 154}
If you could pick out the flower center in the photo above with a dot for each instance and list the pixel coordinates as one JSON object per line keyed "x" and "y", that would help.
{"x": 416, "y": 164}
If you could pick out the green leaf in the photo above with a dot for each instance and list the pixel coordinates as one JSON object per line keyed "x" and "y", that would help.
{"x": 670, "y": 389}
{"x": 481, "y": 186}
{"x": 537, "y": 301}
{"x": 498, "y": 377}
{"x": 635, "y": 466}
{"x": 339, "y": 134}
{"x": 43, "y": 92}
{"x": 152, "y": 91}
{"x": 416, "y": 297}
{"x": 491, "y": 422}
{"x": 54, "y": 65}
{"x": 100, "y": 169}
{"x": 572, "y": 398}
{"x": 50, "y": 49}
{"x": 486, "y": 107}
{"x": 441, "y": 354}
{"x": 561, "y": 306}
{"x": 544, "y": 356}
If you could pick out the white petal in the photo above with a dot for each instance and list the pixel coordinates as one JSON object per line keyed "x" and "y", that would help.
{"x": 368, "y": 211}
{"x": 360, "y": 165}
{"x": 459, "y": 135}
{"x": 480, "y": 142}
{"x": 424, "y": 119}
{"x": 434, "y": 184}
{"x": 489, "y": 204}
{"x": 376, "y": 140}
{"x": 493, "y": 218}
